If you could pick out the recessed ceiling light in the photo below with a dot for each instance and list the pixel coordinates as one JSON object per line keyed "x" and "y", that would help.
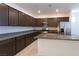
{"x": 57, "y": 10}
{"x": 38, "y": 11}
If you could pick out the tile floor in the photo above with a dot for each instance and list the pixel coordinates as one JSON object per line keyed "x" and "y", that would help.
{"x": 46, "y": 47}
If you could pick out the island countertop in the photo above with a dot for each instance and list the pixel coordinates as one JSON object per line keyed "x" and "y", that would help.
{"x": 57, "y": 36}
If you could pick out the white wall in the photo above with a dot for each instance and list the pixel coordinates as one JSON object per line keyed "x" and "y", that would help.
{"x": 74, "y": 19}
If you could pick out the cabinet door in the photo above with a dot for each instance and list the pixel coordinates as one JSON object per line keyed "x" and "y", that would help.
{"x": 27, "y": 20}
{"x": 32, "y": 35}
{"x": 28, "y": 41}
{"x": 24, "y": 20}
{"x": 21, "y": 19}
{"x": 64, "y": 19}
{"x": 52, "y": 22}
{"x": 20, "y": 43}
{"x": 3, "y": 15}
{"x": 30, "y": 38}
{"x": 38, "y": 22}
{"x": 13, "y": 17}
{"x": 32, "y": 21}
{"x": 7, "y": 47}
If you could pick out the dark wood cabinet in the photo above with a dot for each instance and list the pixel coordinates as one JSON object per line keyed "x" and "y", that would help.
{"x": 13, "y": 17}
{"x": 38, "y": 22}
{"x": 7, "y": 47}
{"x": 20, "y": 43}
{"x": 29, "y": 41}
{"x": 23, "y": 41}
{"x": 64, "y": 19}
{"x": 32, "y": 21}
{"x": 30, "y": 38}
{"x": 3, "y": 15}
{"x": 24, "y": 20}
{"x": 27, "y": 20}
{"x": 10, "y": 47}
{"x": 52, "y": 22}
{"x": 21, "y": 19}
{"x": 52, "y": 31}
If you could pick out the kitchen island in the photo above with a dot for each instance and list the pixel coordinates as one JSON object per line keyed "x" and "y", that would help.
{"x": 58, "y": 45}
{"x": 58, "y": 36}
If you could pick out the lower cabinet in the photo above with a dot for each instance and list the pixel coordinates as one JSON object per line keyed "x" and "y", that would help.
{"x": 52, "y": 31}
{"x": 10, "y": 47}
{"x": 29, "y": 39}
{"x": 7, "y": 48}
{"x": 20, "y": 43}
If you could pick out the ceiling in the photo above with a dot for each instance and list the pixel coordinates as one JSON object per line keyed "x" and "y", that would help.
{"x": 47, "y": 10}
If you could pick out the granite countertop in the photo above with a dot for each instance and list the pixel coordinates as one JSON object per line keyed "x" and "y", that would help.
{"x": 12, "y": 29}
{"x": 12, "y": 35}
{"x": 7, "y": 32}
{"x": 57, "y": 36}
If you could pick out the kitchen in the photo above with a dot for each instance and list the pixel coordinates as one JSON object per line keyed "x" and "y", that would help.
{"x": 25, "y": 33}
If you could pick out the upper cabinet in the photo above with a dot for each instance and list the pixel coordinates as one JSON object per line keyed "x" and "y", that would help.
{"x": 3, "y": 15}
{"x": 28, "y": 20}
{"x": 13, "y": 17}
{"x": 31, "y": 21}
{"x": 24, "y": 20}
{"x": 38, "y": 22}
{"x": 21, "y": 19}
{"x": 64, "y": 19}
{"x": 52, "y": 22}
